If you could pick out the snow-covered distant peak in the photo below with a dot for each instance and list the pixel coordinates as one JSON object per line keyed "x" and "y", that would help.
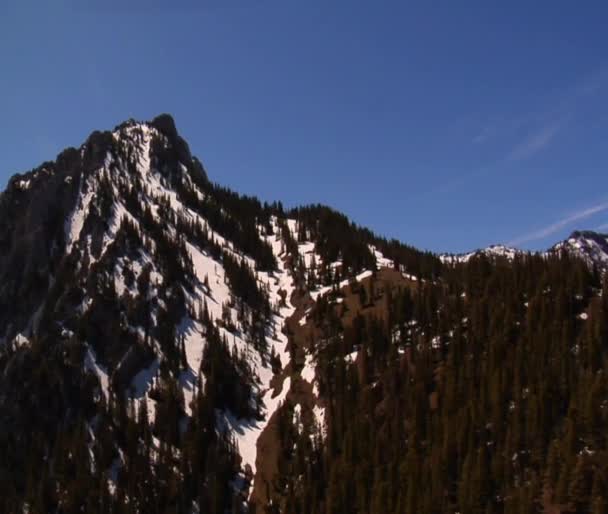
{"x": 591, "y": 246}
{"x": 502, "y": 251}
{"x": 497, "y": 250}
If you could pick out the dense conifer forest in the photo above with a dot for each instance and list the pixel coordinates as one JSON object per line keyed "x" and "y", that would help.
{"x": 481, "y": 391}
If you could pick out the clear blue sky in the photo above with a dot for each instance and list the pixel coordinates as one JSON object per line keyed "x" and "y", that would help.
{"x": 449, "y": 125}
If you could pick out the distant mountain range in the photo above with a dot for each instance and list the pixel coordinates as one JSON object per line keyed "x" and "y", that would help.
{"x": 590, "y": 246}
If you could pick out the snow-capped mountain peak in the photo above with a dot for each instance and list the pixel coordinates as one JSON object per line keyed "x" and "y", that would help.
{"x": 170, "y": 272}
{"x": 590, "y": 246}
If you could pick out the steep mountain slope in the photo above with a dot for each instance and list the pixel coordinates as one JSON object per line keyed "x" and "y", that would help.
{"x": 125, "y": 256}
{"x": 167, "y": 345}
{"x": 138, "y": 297}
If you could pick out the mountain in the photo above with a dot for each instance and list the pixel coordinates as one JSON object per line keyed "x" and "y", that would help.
{"x": 168, "y": 345}
{"x": 491, "y": 251}
{"x": 590, "y": 246}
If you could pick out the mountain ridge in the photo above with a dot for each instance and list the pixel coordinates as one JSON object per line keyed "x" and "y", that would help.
{"x": 222, "y": 350}
{"x": 589, "y": 245}
{"x": 165, "y": 124}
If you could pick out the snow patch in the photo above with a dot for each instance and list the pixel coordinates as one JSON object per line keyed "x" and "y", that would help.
{"x": 91, "y": 365}
{"x": 247, "y": 431}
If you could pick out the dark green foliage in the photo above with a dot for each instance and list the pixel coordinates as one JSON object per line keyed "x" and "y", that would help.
{"x": 227, "y": 377}
{"x": 234, "y": 217}
{"x": 244, "y": 284}
{"x": 493, "y": 401}
{"x": 337, "y": 238}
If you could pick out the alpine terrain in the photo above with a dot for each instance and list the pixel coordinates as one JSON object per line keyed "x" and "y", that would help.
{"x": 170, "y": 346}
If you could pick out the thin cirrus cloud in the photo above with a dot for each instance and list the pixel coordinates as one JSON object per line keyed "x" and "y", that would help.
{"x": 483, "y": 135}
{"x": 540, "y": 128}
{"x": 602, "y": 227}
{"x": 560, "y": 224}
{"x": 535, "y": 141}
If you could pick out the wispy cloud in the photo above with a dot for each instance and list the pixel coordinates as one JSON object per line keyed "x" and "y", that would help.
{"x": 483, "y": 135}
{"x": 536, "y": 141}
{"x": 530, "y": 132}
{"x": 517, "y": 136}
{"x": 602, "y": 227}
{"x": 560, "y": 224}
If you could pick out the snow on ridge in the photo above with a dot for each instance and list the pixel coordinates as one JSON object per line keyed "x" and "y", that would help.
{"x": 152, "y": 180}
{"x": 73, "y": 225}
{"x": 91, "y": 365}
{"x": 218, "y": 294}
{"x": 326, "y": 289}
{"x": 312, "y": 260}
{"x": 589, "y": 246}
{"x": 20, "y": 340}
{"x": 308, "y": 373}
{"x": 142, "y": 383}
{"x": 497, "y": 250}
{"x": 381, "y": 260}
{"x": 592, "y": 247}
{"x": 135, "y": 142}
{"x": 280, "y": 286}
{"x": 247, "y": 431}
{"x": 194, "y": 343}
{"x": 352, "y": 356}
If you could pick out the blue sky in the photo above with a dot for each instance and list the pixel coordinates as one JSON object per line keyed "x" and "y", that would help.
{"x": 449, "y": 125}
